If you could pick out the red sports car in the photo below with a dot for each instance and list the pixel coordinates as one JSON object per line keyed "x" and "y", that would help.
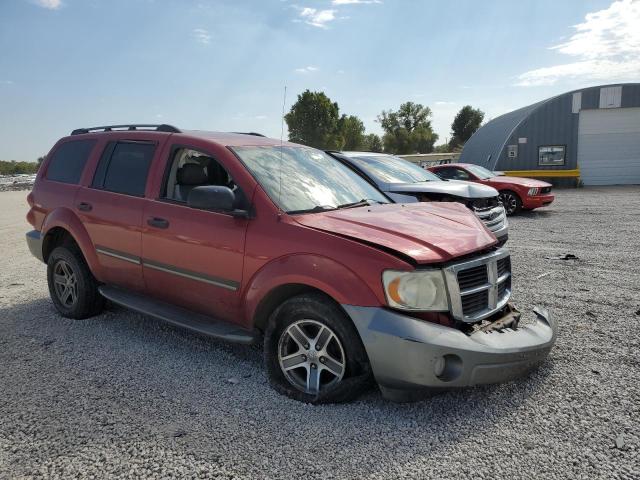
{"x": 516, "y": 193}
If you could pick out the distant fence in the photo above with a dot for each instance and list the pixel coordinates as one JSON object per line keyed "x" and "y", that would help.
{"x": 430, "y": 159}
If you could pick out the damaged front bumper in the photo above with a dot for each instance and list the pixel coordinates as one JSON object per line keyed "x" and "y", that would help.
{"x": 408, "y": 355}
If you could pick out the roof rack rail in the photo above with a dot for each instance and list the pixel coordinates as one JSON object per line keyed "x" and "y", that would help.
{"x": 255, "y": 134}
{"x": 133, "y": 127}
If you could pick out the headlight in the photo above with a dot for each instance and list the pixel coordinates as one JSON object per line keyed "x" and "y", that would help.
{"x": 533, "y": 191}
{"x": 417, "y": 290}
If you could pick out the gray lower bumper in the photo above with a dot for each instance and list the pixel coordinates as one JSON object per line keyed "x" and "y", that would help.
{"x": 34, "y": 241}
{"x": 407, "y": 354}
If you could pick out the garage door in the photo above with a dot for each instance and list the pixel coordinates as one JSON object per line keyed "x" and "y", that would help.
{"x": 609, "y": 146}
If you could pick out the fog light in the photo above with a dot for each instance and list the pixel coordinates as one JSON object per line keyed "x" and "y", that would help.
{"x": 448, "y": 367}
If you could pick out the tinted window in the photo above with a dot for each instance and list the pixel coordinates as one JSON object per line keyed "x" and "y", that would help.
{"x": 124, "y": 168}
{"x": 69, "y": 160}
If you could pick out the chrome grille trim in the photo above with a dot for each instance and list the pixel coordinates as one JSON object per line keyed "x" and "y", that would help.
{"x": 493, "y": 218}
{"x": 498, "y": 287}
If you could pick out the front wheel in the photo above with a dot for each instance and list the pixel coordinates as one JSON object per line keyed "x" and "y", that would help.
{"x": 511, "y": 202}
{"x": 313, "y": 352}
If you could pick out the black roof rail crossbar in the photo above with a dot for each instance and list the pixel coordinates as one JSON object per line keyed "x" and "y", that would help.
{"x": 108, "y": 128}
{"x": 255, "y": 134}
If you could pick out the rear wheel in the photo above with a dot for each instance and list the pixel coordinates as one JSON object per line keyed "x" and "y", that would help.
{"x": 511, "y": 201}
{"x": 72, "y": 286}
{"x": 313, "y": 352}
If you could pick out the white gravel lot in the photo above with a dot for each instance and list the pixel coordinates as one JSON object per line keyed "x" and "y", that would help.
{"x": 121, "y": 395}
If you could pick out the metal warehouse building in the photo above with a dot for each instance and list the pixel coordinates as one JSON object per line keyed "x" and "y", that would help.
{"x": 592, "y": 133}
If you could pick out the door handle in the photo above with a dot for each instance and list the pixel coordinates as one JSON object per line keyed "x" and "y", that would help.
{"x": 85, "y": 207}
{"x": 158, "y": 222}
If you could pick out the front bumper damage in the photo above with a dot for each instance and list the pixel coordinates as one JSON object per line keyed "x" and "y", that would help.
{"x": 409, "y": 356}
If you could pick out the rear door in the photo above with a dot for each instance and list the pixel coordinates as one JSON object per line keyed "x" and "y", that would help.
{"x": 111, "y": 207}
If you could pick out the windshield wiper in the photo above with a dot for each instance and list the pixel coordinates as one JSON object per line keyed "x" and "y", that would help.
{"x": 316, "y": 209}
{"x": 360, "y": 203}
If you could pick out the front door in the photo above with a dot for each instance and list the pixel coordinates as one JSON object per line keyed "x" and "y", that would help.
{"x": 193, "y": 258}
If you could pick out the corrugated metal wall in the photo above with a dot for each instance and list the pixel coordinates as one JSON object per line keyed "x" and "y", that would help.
{"x": 550, "y": 122}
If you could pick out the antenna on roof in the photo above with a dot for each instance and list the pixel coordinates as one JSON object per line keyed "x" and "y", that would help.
{"x": 284, "y": 101}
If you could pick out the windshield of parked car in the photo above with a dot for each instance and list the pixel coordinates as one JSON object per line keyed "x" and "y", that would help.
{"x": 481, "y": 172}
{"x": 390, "y": 169}
{"x": 304, "y": 180}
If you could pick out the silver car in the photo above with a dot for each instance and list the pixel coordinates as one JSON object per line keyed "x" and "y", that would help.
{"x": 403, "y": 181}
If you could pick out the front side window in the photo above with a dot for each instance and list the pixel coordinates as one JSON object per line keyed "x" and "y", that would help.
{"x": 551, "y": 155}
{"x": 191, "y": 168}
{"x": 301, "y": 179}
{"x": 481, "y": 172}
{"x": 124, "y": 168}
{"x": 68, "y": 161}
{"x": 390, "y": 169}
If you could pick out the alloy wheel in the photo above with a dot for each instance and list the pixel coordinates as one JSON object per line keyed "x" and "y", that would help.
{"x": 311, "y": 356}
{"x": 66, "y": 284}
{"x": 509, "y": 201}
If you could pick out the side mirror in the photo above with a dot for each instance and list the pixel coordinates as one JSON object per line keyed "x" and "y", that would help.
{"x": 216, "y": 199}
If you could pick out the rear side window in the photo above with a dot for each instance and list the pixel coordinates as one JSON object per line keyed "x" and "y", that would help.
{"x": 68, "y": 161}
{"x": 124, "y": 167}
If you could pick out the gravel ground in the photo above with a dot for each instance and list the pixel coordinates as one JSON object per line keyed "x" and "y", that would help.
{"x": 121, "y": 395}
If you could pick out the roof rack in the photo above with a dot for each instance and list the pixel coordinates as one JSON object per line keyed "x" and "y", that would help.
{"x": 255, "y": 134}
{"x": 133, "y": 127}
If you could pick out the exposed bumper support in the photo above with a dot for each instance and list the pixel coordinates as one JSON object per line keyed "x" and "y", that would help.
{"x": 34, "y": 241}
{"x": 408, "y": 355}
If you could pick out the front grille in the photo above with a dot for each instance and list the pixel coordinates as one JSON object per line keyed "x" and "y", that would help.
{"x": 473, "y": 277}
{"x": 545, "y": 190}
{"x": 484, "y": 203}
{"x": 479, "y": 287}
{"x": 475, "y": 302}
{"x": 493, "y": 218}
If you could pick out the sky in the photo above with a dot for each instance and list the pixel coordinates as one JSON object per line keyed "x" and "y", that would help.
{"x": 223, "y": 65}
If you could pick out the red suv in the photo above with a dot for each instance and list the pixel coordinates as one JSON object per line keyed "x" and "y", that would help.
{"x": 250, "y": 239}
{"x": 516, "y": 193}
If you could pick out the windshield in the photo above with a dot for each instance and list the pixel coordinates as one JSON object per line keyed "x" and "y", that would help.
{"x": 480, "y": 172}
{"x": 304, "y": 179}
{"x": 390, "y": 169}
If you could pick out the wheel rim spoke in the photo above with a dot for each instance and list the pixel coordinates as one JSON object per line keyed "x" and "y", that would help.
{"x": 295, "y": 360}
{"x": 298, "y": 336}
{"x": 313, "y": 380}
{"x": 323, "y": 338}
{"x": 59, "y": 279}
{"x": 333, "y": 366}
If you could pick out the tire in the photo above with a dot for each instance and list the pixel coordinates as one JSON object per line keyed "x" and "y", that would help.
{"x": 338, "y": 373}
{"x": 72, "y": 286}
{"x": 511, "y": 201}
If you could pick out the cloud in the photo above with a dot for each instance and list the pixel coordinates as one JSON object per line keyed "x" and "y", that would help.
{"x": 440, "y": 102}
{"x": 309, "y": 69}
{"x": 354, "y": 2}
{"x": 606, "y": 46}
{"x": 260, "y": 117}
{"x": 6, "y": 82}
{"x": 202, "y": 36}
{"x": 50, "y": 4}
{"x": 317, "y": 18}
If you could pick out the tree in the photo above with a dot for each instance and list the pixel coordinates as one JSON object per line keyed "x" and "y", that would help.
{"x": 408, "y": 130}
{"x": 466, "y": 122}
{"x": 313, "y": 120}
{"x": 351, "y": 133}
{"x": 372, "y": 143}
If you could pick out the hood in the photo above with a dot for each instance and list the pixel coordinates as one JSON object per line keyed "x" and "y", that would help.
{"x": 526, "y": 182}
{"x": 456, "y": 188}
{"x": 425, "y": 232}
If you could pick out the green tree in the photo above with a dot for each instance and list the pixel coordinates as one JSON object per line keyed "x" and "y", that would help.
{"x": 351, "y": 133}
{"x": 372, "y": 143}
{"x": 408, "y": 130}
{"x": 14, "y": 168}
{"x": 466, "y": 122}
{"x": 313, "y": 121}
